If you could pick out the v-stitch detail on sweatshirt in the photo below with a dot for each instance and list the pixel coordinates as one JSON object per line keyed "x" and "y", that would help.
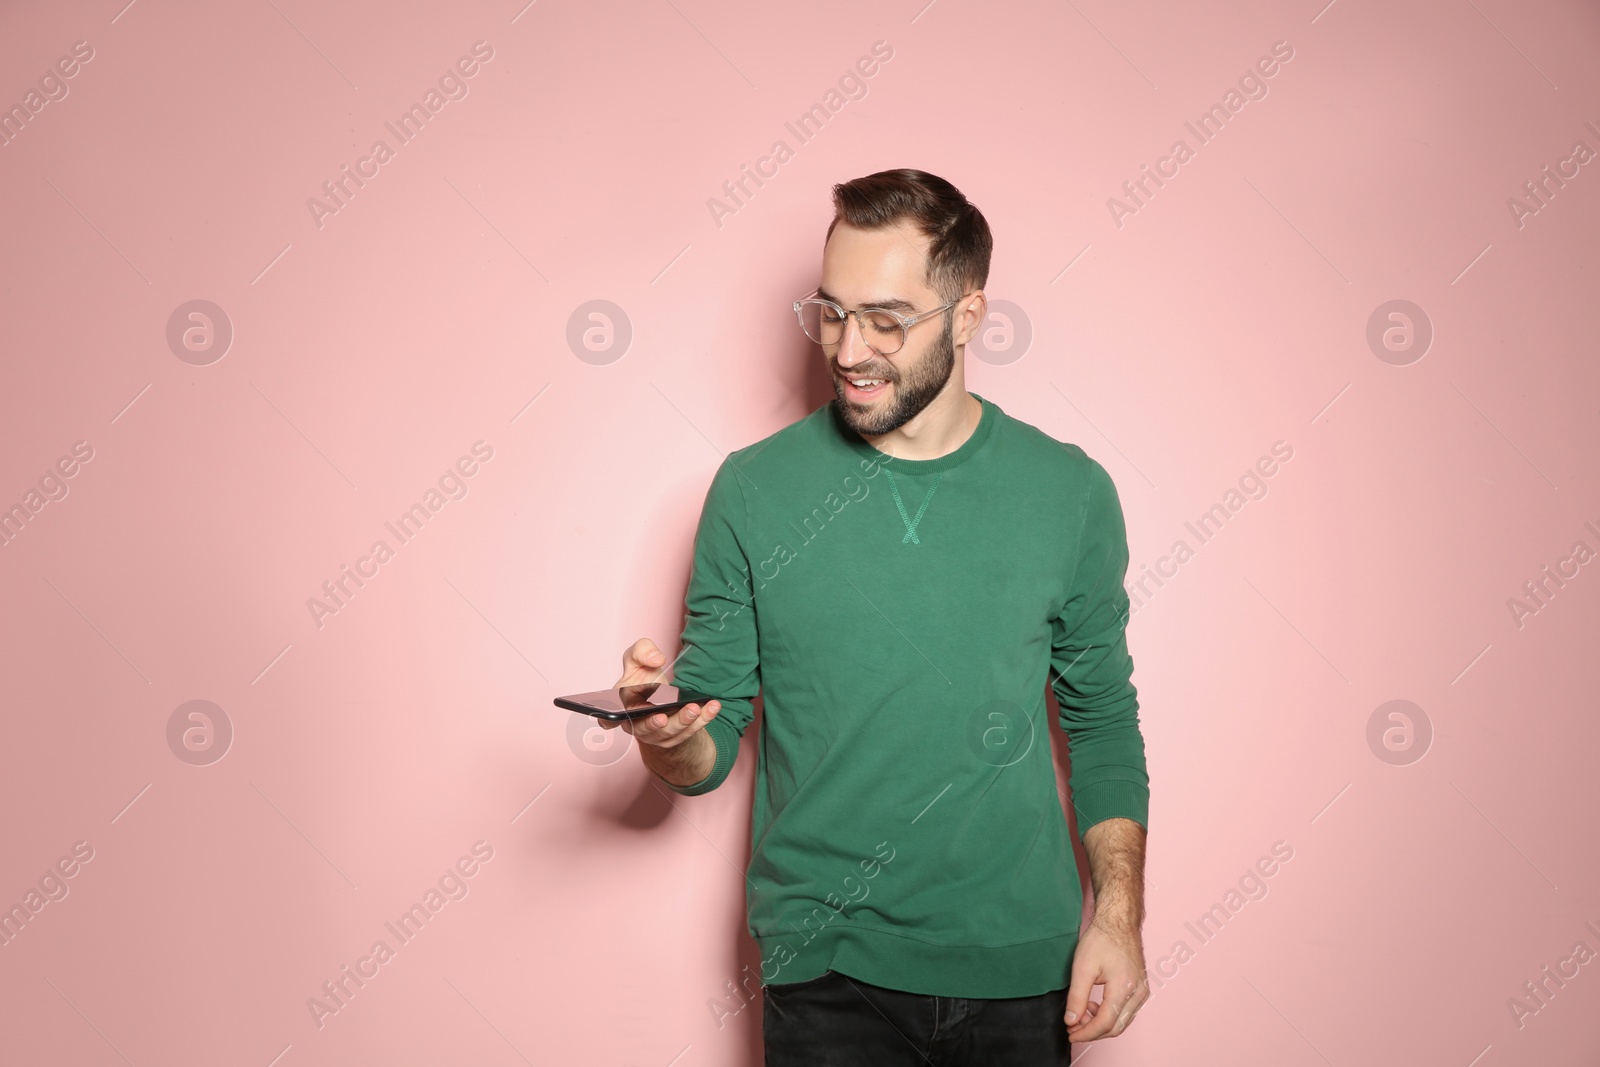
{"x": 911, "y": 524}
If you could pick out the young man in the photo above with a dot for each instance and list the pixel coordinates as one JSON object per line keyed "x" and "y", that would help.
{"x": 900, "y": 574}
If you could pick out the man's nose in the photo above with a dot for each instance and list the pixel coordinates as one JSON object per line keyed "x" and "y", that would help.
{"x": 853, "y": 343}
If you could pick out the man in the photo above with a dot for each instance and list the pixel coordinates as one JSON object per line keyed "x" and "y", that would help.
{"x": 912, "y": 885}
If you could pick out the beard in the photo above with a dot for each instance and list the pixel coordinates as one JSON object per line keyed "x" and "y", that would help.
{"x": 910, "y": 392}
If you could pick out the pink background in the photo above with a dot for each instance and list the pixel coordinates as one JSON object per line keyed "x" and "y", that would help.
{"x": 369, "y": 753}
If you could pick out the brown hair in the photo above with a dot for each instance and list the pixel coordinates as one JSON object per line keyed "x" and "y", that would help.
{"x": 960, "y": 242}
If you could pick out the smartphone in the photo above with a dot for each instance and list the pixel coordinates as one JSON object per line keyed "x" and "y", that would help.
{"x": 631, "y": 701}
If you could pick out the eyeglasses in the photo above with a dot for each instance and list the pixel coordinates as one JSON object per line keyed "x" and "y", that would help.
{"x": 884, "y": 331}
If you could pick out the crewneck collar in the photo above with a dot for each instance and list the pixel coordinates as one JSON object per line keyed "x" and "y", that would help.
{"x": 986, "y": 420}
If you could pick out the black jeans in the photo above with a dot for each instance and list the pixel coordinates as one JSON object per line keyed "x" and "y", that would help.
{"x": 839, "y": 1021}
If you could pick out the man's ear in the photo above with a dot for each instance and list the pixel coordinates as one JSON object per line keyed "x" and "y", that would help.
{"x": 972, "y": 312}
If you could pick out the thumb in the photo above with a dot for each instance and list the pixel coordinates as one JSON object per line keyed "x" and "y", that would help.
{"x": 1084, "y": 976}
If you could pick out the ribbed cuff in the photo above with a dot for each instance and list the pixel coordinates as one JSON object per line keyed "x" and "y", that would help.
{"x": 1111, "y": 798}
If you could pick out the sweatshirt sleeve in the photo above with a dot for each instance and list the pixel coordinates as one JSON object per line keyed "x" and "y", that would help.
{"x": 719, "y": 630}
{"x": 1092, "y": 670}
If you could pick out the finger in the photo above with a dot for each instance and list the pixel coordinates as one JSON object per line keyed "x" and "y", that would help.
{"x": 652, "y": 730}
{"x": 640, "y": 653}
{"x": 1136, "y": 1000}
{"x": 693, "y": 715}
{"x": 646, "y": 654}
{"x": 641, "y": 662}
{"x": 666, "y": 731}
{"x": 647, "y": 728}
{"x": 1124, "y": 1018}
{"x": 1084, "y": 978}
{"x": 1104, "y": 1018}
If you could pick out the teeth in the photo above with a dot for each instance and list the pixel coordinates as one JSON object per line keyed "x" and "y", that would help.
{"x": 859, "y": 382}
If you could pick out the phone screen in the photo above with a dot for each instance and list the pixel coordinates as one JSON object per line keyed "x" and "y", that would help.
{"x": 629, "y": 701}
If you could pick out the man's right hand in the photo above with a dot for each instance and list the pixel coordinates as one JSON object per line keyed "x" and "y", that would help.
{"x": 642, "y": 661}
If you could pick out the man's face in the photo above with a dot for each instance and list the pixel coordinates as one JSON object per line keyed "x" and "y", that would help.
{"x": 880, "y": 268}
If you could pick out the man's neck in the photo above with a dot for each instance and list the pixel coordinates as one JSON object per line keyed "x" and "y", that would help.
{"x": 937, "y": 430}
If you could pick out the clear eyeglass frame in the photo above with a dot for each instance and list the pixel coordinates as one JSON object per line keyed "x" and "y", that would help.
{"x": 905, "y": 321}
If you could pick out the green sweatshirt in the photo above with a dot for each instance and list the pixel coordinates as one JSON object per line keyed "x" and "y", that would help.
{"x": 901, "y": 620}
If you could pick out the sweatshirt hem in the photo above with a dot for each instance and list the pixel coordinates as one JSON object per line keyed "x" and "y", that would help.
{"x": 1023, "y": 969}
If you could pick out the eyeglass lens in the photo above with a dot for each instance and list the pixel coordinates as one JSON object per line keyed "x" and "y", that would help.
{"x": 823, "y": 324}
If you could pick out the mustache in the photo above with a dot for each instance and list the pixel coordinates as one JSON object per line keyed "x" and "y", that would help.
{"x": 859, "y": 373}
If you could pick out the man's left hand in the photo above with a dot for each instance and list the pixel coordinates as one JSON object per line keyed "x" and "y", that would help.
{"x": 1113, "y": 957}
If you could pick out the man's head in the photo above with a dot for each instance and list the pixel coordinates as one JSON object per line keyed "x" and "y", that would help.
{"x": 906, "y": 241}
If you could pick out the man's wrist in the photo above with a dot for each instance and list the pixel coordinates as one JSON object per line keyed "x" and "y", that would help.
{"x": 1119, "y": 913}
{"x": 684, "y": 765}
